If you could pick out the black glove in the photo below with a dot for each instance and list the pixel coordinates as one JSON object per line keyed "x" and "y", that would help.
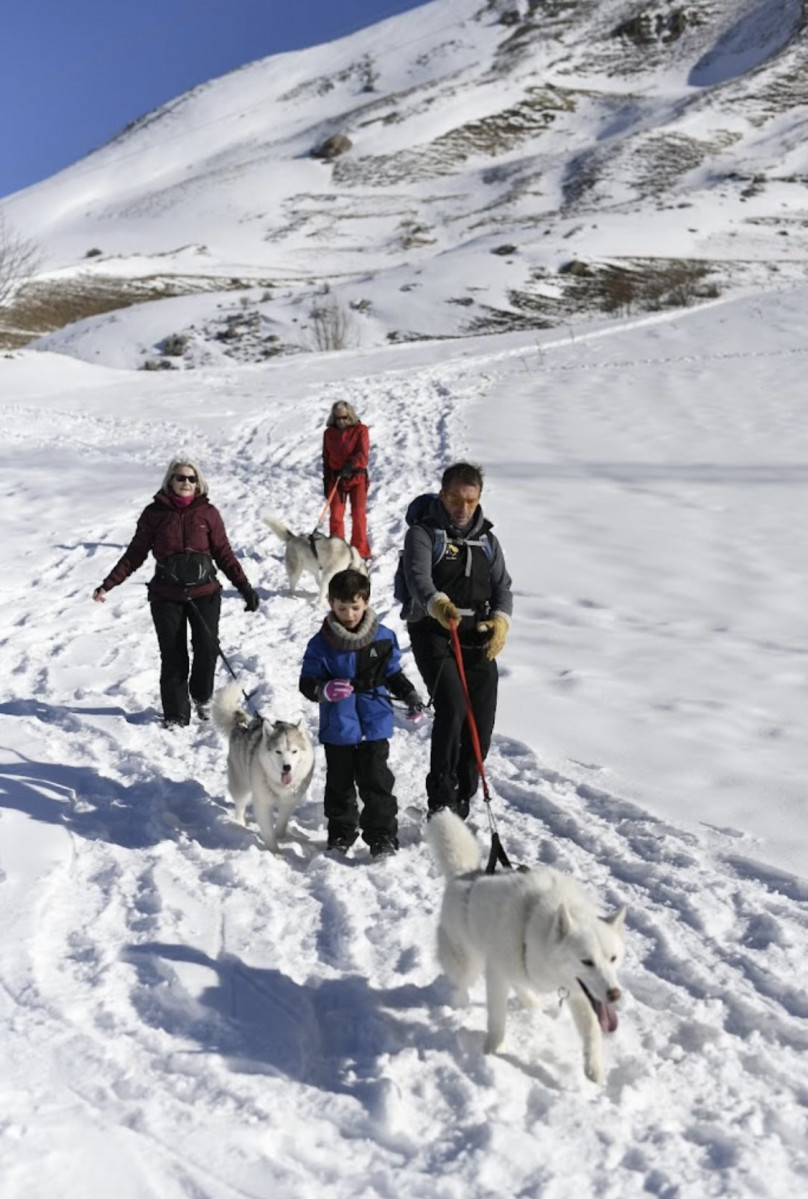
{"x": 347, "y": 472}
{"x": 251, "y": 600}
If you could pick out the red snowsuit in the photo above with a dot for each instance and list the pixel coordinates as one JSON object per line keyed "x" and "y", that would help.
{"x": 347, "y": 447}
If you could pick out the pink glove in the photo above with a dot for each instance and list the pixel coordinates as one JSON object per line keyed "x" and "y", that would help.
{"x": 415, "y": 709}
{"x": 336, "y": 689}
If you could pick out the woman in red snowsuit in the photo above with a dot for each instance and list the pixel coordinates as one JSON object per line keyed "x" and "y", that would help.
{"x": 345, "y": 463}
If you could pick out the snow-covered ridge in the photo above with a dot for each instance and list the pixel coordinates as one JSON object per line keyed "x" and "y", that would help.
{"x": 492, "y": 147}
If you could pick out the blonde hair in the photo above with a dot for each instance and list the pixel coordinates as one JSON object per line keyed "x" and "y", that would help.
{"x": 341, "y": 406}
{"x": 192, "y": 464}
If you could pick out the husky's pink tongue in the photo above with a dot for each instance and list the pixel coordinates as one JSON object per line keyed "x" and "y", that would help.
{"x": 607, "y": 1016}
{"x": 286, "y": 777}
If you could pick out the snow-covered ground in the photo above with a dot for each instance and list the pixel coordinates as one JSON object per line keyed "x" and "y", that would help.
{"x": 187, "y": 1015}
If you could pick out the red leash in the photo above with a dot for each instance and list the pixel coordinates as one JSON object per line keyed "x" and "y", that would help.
{"x": 497, "y": 853}
{"x": 475, "y": 736}
{"x": 327, "y": 505}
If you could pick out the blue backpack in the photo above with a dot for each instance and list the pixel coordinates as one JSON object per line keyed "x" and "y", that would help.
{"x": 414, "y": 515}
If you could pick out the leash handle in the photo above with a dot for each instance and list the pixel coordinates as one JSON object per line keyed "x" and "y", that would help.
{"x": 475, "y": 736}
{"x": 326, "y": 505}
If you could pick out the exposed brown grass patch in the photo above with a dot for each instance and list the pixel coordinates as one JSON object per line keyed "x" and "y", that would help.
{"x": 52, "y": 304}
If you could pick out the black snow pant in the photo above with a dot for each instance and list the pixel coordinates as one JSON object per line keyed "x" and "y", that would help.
{"x": 453, "y": 774}
{"x": 171, "y": 620}
{"x": 361, "y": 767}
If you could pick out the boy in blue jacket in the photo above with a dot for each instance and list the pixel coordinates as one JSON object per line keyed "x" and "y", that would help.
{"x": 351, "y": 668}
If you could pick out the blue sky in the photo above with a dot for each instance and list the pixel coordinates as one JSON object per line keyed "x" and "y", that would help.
{"x": 73, "y": 72}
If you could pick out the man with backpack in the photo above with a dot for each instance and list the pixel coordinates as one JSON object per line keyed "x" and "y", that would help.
{"x": 453, "y": 571}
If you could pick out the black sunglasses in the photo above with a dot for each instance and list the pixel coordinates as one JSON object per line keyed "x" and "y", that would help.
{"x": 185, "y": 478}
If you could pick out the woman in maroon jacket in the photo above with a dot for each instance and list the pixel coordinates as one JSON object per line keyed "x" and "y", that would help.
{"x": 187, "y": 537}
{"x": 345, "y": 463}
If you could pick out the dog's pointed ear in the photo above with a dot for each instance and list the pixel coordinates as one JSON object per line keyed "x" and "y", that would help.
{"x": 617, "y": 919}
{"x": 563, "y": 922}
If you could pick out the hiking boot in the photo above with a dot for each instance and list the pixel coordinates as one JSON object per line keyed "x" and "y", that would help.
{"x": 202, "y": 710}
{"x": 383, "y": 847}
{"x": 175, "y": 723}
{"x": 340, "y": 843}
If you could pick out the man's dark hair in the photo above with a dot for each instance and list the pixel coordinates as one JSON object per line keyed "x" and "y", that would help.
{"x": 466, "y": 474}
{"x": 347, "y": 585}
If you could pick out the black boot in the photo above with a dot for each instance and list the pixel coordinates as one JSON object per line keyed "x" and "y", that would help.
{"x": 383, "y": 847}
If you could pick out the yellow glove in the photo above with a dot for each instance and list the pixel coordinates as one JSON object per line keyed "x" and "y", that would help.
{"x": 497, "y": 627}
{"x": 441, "y": 609}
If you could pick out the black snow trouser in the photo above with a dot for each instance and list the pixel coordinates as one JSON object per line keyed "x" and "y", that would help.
{"x": 361, "y": 767}
{"x": 171, "y": 620}
{"x": 453, "y": 775}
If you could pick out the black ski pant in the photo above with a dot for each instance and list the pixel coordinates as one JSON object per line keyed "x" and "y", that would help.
{"x": 361, "y": 767}
{"x": 171, "y": 621}
{"x": 453, "y": 774}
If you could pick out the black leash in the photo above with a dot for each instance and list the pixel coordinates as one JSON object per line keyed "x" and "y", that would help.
{"x": 386, "y": 697}
{"x": 497, "y": 854}
{"x": 217, "y": 645}
{"x": 444, "y": 660}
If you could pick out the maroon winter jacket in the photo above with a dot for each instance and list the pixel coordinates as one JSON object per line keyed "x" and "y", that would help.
{"x": 167, "y": 530}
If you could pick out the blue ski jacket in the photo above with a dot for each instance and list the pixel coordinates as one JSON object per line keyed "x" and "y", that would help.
{"x": 371, "y": 659}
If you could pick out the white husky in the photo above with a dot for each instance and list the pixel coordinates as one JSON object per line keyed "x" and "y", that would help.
{"x": 316, "y": 554}
{"x": 272, "y": 762}
{"x": 533, "y": 930}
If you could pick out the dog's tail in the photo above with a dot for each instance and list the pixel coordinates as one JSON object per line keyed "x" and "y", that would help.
{"x": 277, "y": 527}
{"x": 453, "y": 844}
{"x": 358, "y": 562}
{"x": 226, "y": 711}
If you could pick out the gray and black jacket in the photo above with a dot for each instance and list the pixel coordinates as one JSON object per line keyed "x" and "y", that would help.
{"x": 476, "y": 581}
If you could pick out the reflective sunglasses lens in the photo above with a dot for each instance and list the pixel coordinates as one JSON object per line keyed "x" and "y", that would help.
{"x": 185, "y": 478}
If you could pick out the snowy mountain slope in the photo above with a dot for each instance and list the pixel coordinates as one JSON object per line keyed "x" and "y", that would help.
{"x": 186, "y": 1014}
{"x": 609, "y": 133}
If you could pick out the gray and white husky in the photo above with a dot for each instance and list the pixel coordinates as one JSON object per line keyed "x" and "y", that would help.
{"x": 272, "y": 762}
{"x": 535, "y": 931}
{"x": 315, "y": 554}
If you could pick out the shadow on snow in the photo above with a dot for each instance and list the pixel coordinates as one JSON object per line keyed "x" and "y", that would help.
{"x": 326, "y": 1033}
